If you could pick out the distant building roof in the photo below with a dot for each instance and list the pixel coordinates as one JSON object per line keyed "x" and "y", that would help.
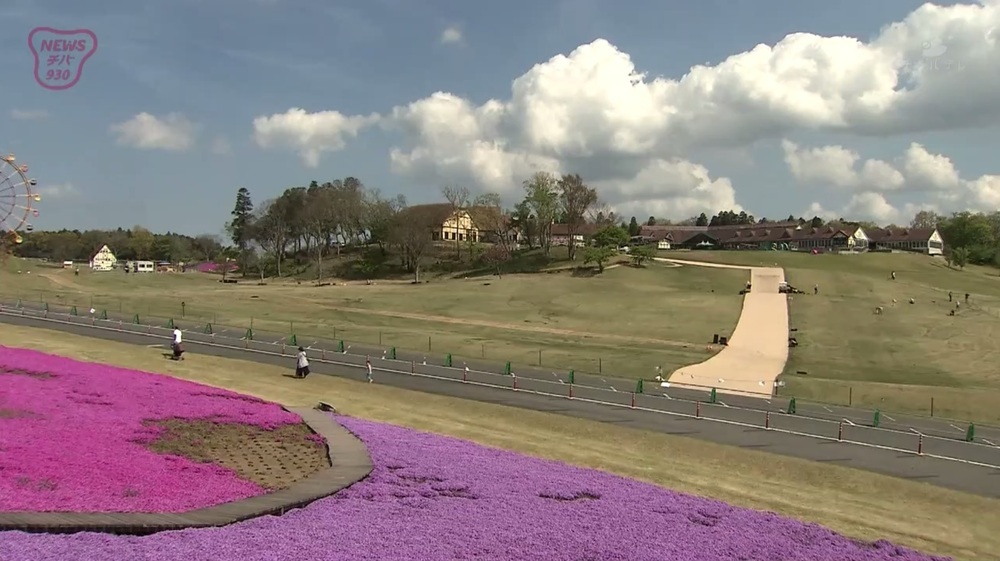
{"x": 900, "y": 234}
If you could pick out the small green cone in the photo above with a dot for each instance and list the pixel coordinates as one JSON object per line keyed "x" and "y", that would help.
{"x": 392, "y": 353}
{"x": 249, "y": 335}
{"x": 572, "y": 377}
{"x": 170, "y": 324}
{"x": 447, "y": 360}
{"x": 340, "y": 346}
{"x": 293, "y": 340}
{"x": 135, "y": 319}
{"x": 18, "y": 305}
{"x": 45, "y": 306}
{"x": 104, "y": 314}
{"x": 791, "y": 406}
{"x": 638, "y": 386}
{"x": 712, "y": 397}
{"x": 73, "y": 312}
{"x": 970, "y": 434}
{"x": 208, "y": 329}
{"x": 878, "y": 418}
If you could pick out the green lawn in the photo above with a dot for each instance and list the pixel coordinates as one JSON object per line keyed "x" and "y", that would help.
{"x": 622, "y": 323}
{"x": 903, "y": 358}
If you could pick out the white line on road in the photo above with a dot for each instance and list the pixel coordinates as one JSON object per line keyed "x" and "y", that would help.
{"x": 959, "y": 429}
{"x": 850, "y": 422}
{"x": 988, "y": 442}
{"x": 890, "y": 419}
{"x": 767, "y": 401}
{"x": 828, "y": 410}
{"x": 722, "y": 403}
{"x": 613, "y": 388}
{"x": 914, "y": 431}
{"x": 603, "y": 380}
{"x": 667, "y": 396}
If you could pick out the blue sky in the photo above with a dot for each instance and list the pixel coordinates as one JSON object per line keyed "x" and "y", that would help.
{"x": 219, "y": 64}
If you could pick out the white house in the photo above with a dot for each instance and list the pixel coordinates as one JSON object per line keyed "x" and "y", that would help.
{"x": 103, "y": 260}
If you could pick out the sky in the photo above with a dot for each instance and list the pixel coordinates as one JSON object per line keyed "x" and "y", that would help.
{"x": 867, "y": 110}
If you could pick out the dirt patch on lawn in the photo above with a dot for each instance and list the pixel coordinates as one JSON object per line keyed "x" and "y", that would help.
{"x": 273, "y": 459}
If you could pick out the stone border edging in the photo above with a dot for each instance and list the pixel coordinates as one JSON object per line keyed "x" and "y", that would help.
{"x": 349, "y": 463}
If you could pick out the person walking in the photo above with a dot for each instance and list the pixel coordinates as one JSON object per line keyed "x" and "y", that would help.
{"x": 301, "y": 364}
{"x": 816, "y": 289}
{"x": 892, "y": 275}
{"x": 368, "y": 366}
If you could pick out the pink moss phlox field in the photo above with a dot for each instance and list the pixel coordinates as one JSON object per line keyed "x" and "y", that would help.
{"x": 77, "y": 441}
{"x": 432, "y": 498}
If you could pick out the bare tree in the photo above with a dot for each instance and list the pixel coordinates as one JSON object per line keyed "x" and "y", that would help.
{"x": 601, "y": 215}
{"x": 458, "y": 199}
{"x": 491, "y": 220}
{"x": 320, "y": 222}
{"x": 576, "y": 199}
{"x": 543, "y": 200}
{"x": 271, "y": 230}
{"x": 379, "y": 218}
{"x": 411, "y": 232}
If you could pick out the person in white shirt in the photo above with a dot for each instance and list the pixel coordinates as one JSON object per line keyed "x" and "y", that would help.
{"x": 177, "y": 345}
{"x": 368, "y": 365}
{"x": 301, "y": 364}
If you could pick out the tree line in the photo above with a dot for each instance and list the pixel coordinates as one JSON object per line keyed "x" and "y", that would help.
{"x": 970, "y": 237}
{"x": 135, "y": 243}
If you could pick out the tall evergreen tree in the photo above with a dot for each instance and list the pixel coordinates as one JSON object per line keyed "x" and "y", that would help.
{"x": 239, "y": 227}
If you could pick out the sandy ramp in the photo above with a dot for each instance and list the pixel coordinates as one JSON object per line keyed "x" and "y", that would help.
{"x": 758, "y": 349}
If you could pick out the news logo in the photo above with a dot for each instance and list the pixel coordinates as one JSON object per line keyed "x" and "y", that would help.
{"x": 60, "y": 55}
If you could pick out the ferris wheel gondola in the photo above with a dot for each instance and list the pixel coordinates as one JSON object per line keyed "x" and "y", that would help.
{"x": 17, "y": 198}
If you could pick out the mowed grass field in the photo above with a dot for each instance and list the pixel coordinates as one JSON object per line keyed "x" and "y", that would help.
{"x": 900, "y": 360}
{"x": 622, "y": 323}
{"x": 860, "y": 504}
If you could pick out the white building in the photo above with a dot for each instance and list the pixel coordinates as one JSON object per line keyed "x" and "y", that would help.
{"x": 103, "y": 260}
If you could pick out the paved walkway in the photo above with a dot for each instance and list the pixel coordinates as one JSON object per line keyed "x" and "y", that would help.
{"x": 758, "y": 348}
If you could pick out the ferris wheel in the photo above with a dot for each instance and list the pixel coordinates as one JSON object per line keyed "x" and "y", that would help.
{"x": 16, "y": 199}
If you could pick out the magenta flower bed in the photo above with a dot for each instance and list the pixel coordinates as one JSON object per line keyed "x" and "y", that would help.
{"x": 432, "y": 498}
{"x": 72, "y": 434}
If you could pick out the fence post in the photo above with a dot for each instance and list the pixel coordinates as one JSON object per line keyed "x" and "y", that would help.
{"x": 932, "y": 406}
{"x": 840, "y": 431}
{"x": 920, "y": 444}
{"x": 850, "y": 395}
{"x": 539, "y": 357}
{"x": 697, "y": 410}
{"x": 633, "y": 400}
{"x": 571, "y": 391}
{"x": 600, "y": 365}
{"x": 515, "y": 383}
{"x": 767, "y": 419}
{"x": 878, "y": 418}
{"x": 428, "y": 343}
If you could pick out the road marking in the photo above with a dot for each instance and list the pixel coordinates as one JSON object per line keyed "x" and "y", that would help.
{"x": 915, "y": 431}
{"x": 603, "y": 380}
{"x": 828, "y": 410}
{"x": 987, "y": 442}
{"x": 889, "y": 418}
{"x": 613, "y": 388}
{"x": 959, "y": 429}
{"x": 722, "y": 403}
{"x": 162, "y": 345}
{"x": 561, "y": 382}
{"x": 667, "y": 396}
{"x": 767, "y": 401}
{"x": 850, "y": 422}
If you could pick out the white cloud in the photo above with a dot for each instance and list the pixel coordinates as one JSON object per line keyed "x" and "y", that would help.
{"x": 593, "y": 112}
{"x": 58, "y": 191}
{"x": 28, "y": 114}
{"x": 310, "y": 134}
{"x": 148, "y": 132}
{"x": 917, "y": 170}
{"x": 221, "y": 146}
{"x": 451, "y": 35}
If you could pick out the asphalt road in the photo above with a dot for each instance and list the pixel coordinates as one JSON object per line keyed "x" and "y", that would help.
{"x": 940, "y": 437}
{"x": 972, "y": 468}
